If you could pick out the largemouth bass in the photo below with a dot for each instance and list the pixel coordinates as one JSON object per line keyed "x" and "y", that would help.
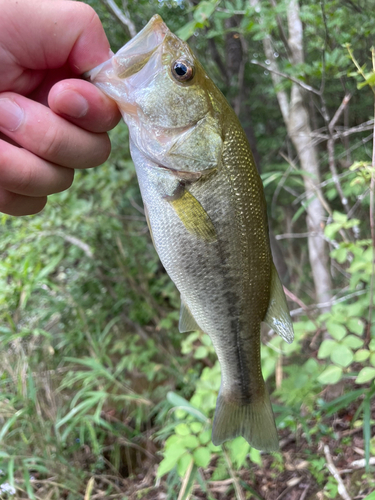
{"x": 206, "y": 211}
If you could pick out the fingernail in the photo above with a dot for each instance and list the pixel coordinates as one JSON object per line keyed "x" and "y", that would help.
{"x": 11, "y": 115}
{"x": 72, "y": 104}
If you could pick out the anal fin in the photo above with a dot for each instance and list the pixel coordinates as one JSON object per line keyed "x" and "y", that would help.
{"x": 277, "y": 316}
{"x": 187, "y": 322}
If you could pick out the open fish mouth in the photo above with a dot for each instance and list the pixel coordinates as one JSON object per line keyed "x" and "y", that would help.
{"x": 134, "y": 55}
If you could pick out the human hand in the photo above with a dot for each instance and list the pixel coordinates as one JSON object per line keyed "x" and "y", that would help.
{"x": 50, "y": 122}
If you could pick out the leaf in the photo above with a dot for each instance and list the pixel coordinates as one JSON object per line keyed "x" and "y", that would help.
{"x": 181, "y": 403}
{"x": 336, "y": 330}
{"x": 202, "y": 456}
{"x": 183, "y": 463}
{"x": 355, "y": 325}
{"x": 365, "y": 375}
{"x": 187, "y": 31}
{"x": 189, "y": 441}
{"x": 331, "y": 375}
{"x": 205, "y": 436}
{"x": 361, "y": 355}
{"x": 342, "y": 355}
{"x": 201, "y": 352}
{"x": 256, "y": 457}
{"x": 340, "y": 254}
{"x": 371, "y": 496}
{"x": 353, "y": 341}
{"x": 170, "y": 460}
{"x": 326, "y": 348}
{"x": 182, "y": 429}
{"x": 331, "y": 229}
{"x": 239, "y": 449}
{"x": 196, "y": 427}
{"x": 204, "y": 10}
{"x": 334, "y": 406}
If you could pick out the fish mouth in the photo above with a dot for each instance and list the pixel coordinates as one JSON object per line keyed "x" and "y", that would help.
{"x": 134, "y": 55}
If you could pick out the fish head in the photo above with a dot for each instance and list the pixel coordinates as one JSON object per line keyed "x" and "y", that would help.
{"x": 166, "y": 99}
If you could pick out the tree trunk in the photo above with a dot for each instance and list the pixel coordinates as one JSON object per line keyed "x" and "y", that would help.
{"x": 298, "y": 126}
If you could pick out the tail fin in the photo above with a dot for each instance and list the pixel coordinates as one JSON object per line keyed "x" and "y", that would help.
{"x": 255, "y": 422}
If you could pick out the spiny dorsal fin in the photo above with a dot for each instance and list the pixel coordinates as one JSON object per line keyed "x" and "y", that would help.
{"x": 277, "y": 316}
{"x": 187, "y": 322}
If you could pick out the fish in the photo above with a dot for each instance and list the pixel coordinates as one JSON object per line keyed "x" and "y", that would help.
{"x": 206, "y": 211}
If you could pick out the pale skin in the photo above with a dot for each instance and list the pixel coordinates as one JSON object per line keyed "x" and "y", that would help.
{"x": 51, "y": 121}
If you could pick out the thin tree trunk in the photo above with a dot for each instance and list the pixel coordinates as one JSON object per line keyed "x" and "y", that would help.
{"x": 298, "y": 126}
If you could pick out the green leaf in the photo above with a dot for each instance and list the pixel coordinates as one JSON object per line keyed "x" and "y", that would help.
{"x": 196, "y": 427}
{"x": 355, "y": 325}
{"x": 202, "y": 456}
{"x": 371, "y": 496}
{"x": 339, "y": 217}
{"x": 183, "y": 463}
{"x": 361, "y": 355}
{"x": 326, "y": 348}
{"x": 189, "y": 441}
{"x": 181, "y": 403}
{"x": 204, "y": 10}
{"x": 331, "y": 375}
{"x": 353, "y": 341}
{"x": 201, "y": 352}
{"x": 365, "y": 375}
{"x": 255, "y": 456}
{"x": 239, "y": 449}
{"x": 187, "y": 31}
{"x": 342, "y": 355}
{"x": 169, "y": 461}
{"x": 331, "y": 229}
{"x": 336, "y": 330}
{"x": 340, "y": 254}
{"x": 372, "y": 359}
{"x": 182, "y": 429}
{"x": 205, "y": 436}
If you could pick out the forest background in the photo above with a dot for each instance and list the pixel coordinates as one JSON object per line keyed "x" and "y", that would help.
{"x": 100, "y": 396}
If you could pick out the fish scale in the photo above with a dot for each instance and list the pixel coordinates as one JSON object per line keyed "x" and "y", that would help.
{"x": 206, "y": 211}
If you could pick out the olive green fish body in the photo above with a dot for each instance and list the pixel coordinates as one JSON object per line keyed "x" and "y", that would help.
{"x": 206, "y": 211}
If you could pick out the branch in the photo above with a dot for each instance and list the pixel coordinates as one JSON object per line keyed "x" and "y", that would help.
{"x": 322, "y": 305}
{"x": 284, "y": 75}
{"x": 331, "y": 154}
{"x": 335, "y": 473}
{"x": 125, "y": 21}
{"x": 281, "y": 30}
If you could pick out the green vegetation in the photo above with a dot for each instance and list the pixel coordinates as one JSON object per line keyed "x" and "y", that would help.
{"x": 100, "y": 396}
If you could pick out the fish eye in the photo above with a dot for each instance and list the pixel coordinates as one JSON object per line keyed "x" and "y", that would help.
{"x": 182, "y": 70}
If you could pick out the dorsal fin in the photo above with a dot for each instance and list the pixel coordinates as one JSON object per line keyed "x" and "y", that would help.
{"x": 277, "y": 316}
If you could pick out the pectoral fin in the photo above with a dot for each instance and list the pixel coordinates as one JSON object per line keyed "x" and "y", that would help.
{"x": 187, "y": 322}
{"x": 193, "y": 216}
{"x": 277, "y": 316}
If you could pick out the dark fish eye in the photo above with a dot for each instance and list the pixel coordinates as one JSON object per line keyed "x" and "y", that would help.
{"x": 182, "y": 70}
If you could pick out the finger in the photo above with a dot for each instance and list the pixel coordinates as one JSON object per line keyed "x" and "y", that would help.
{"x": 23, "y": 173}
{"x": 83, "y": 104}
{"x": 49, "y": 136}
{"x": 72, "y": 33}
{"x": 16, "y": 204}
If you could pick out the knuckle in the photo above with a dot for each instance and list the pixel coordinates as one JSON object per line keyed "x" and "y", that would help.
{"x": 51, "y": 144}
